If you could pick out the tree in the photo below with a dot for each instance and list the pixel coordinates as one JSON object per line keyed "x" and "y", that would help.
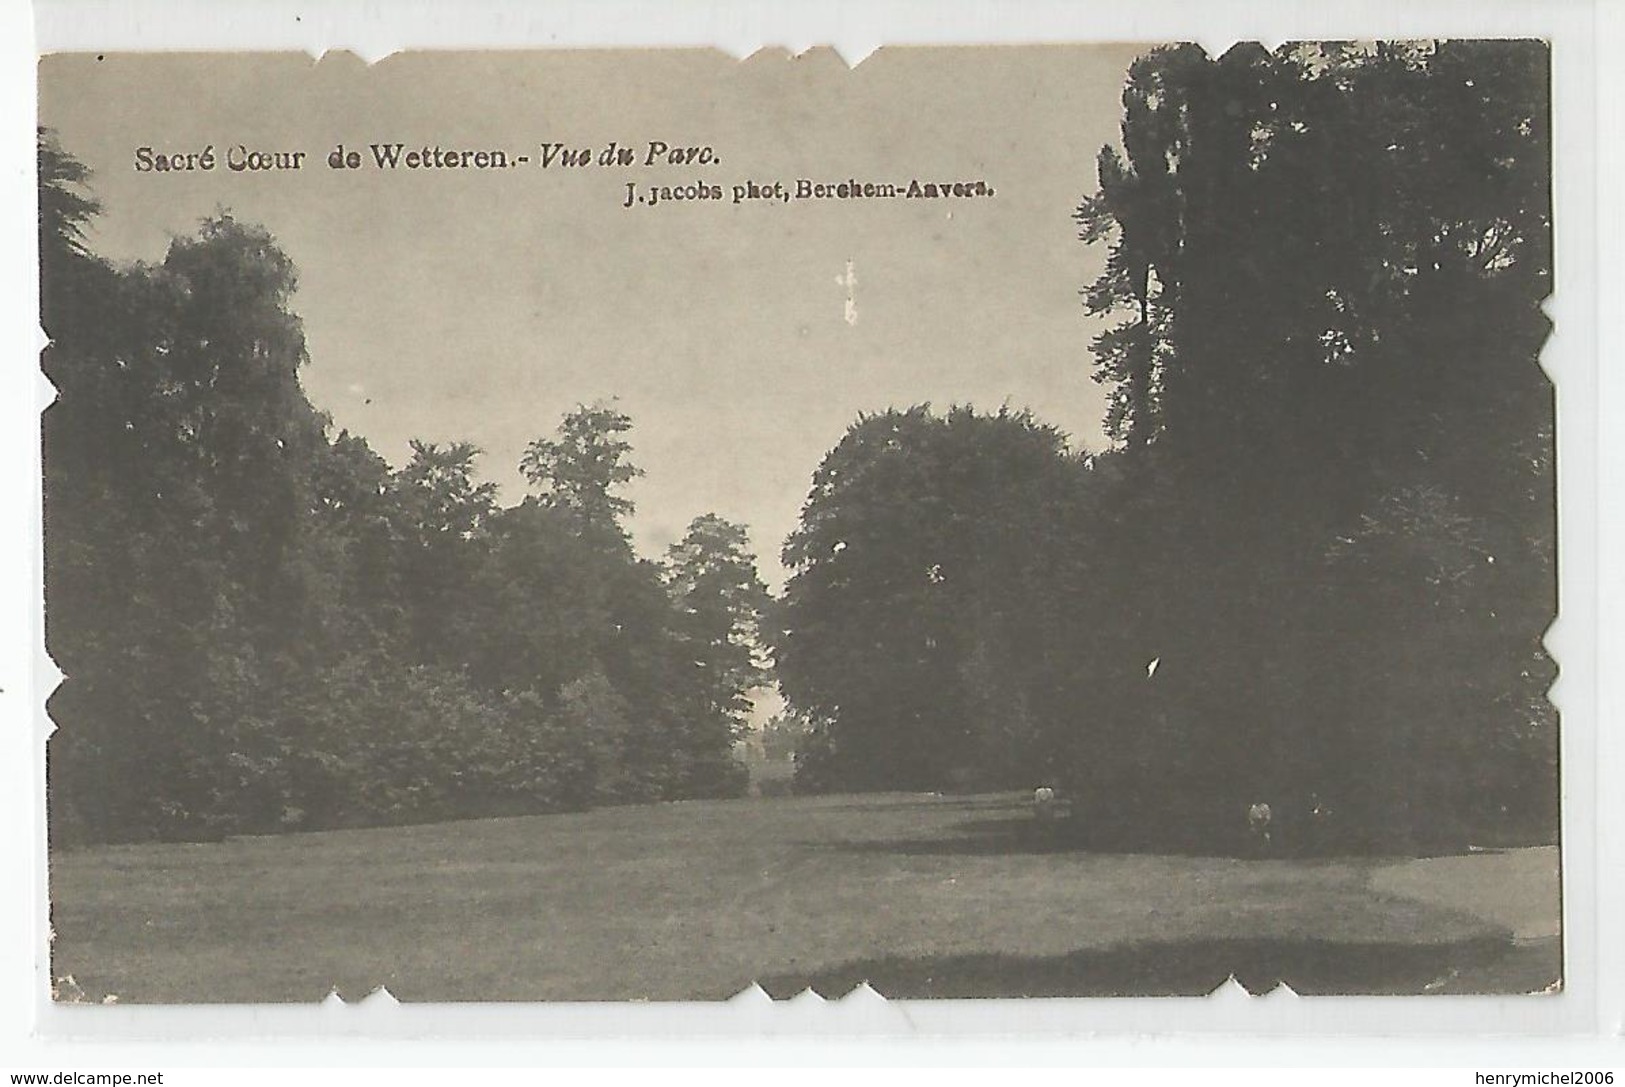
{"x": 360, "y": 527}
{"x": 1328, "y": 263}
{"x": 920, "y": 623}
{"x": 581, "y": 471}
{"x": 720, "y": 599}
{"x": 65, "y": 204}
{"x": 179, "y": 465}
{"x": 445, "y": 514}
{"x": 781, "y": 735}
{"x": 266, "y": 627}
{"x": 660, "y": 657}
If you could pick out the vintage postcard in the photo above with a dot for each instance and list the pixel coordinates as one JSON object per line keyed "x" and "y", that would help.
{"x": 1040, "y": 521}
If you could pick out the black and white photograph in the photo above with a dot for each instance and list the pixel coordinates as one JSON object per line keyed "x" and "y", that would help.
{"x": 633, "y": 525}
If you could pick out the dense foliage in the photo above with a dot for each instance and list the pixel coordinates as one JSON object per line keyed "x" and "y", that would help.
{"x": 264, "y": 626}
{"x": 1316, "y": 566}
{"x": 920, "y": 630}
{"x": 1313, "y": 570}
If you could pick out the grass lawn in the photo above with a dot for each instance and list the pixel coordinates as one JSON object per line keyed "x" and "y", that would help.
{"x": 921, "y": 895}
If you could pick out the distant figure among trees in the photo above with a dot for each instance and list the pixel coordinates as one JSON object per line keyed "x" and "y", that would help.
{"x": 1259, "y": 818}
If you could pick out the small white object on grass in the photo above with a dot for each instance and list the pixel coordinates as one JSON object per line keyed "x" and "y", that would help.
{"x": 1044, "y": 803}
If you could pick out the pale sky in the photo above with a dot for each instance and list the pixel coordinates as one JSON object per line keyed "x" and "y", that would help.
{"x": 482, "y": 305}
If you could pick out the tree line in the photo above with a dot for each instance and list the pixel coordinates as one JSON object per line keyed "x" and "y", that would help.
{"x": 1315, "y": 566}
{"x": 1312, "y": 570}
{"x": 265, "y": 627}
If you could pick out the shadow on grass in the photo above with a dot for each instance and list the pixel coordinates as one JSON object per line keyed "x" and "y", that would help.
{"x": 1195, "y": 968}
{"x": 1021, "y": 834}
{"x": 924, "y": 802}
{"x": 972, "y": 838}
{"x": 1015, "y": 834}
